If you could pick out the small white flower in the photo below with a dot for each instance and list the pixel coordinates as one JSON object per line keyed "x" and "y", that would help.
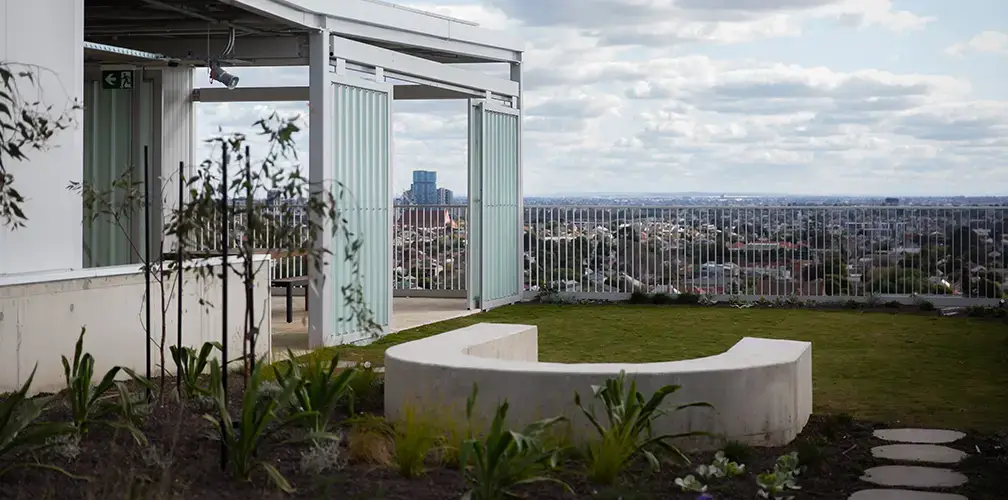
{"x": 367, "y": 365}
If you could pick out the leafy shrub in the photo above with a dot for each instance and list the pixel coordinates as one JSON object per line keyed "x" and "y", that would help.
{"x": 259, "y": 421}
{"x": 640, "y": 297}
{"x": 504, "y": 459}
{"x": 690, "y": 484}
{"x": 810, "y": 453}
{"x": 873, "y": 300}
{"x": 783, "y": 478}
{"x": 629, "y": 420}
{"x": 92, "y": 403}
{"x": 449, "y": 444}
{"x": 323, "y": 456}
{"x": 319, "y": 387}
{"x": 365, "y": 386}
{"x": 663, "y": 299}
{"x": 852, "y": 304}
{"x": 926, "y": 305}
{"x": 414, "y": 438}
{"x": 191, "y": 365}
{"x": 893, "y": 304}
{"x": 371, "y": 440}
{"x": 21, "y": 436}
{"x": 688, "y": 298}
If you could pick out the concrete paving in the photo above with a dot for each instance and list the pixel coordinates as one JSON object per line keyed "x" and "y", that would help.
{"x": 913, "y": 476}
{"x": 919, "y": 436}
{"x": 407, "y": 313}
{"x": 916, "y": 446}
{"x": 903, "y": 495}
{"x": 927, "y": 453}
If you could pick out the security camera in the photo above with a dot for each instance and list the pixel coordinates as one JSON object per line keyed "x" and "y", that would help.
{"x": 218, "y": 74}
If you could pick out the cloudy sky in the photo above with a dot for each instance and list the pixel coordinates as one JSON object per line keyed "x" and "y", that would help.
{"x": 873, "y": 97}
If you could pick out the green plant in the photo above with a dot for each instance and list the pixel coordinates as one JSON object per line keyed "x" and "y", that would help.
{"x": 191, "y": 365}
{"x": 449, "y": 445}
{"x": 322, "y": 457}
{"x": 893, "y": 304}
{"x": 628, "y": 434}
{"x": 926, "y": 305}
{"x": 92, "y": 403}
{"x": 413, "y": 440}
{"x": 259, "y": 421}
{"x": 504, "y": 459}
{"x": 810, "y": 452}
{"x": 775, "y": 484}
{"x": 21, "y": 435}
{"x": 688, "y": 298}
{"x": 26, "y": 124}
{"x": 737, "y": 451}
{"x": 872, "y": 300}
{"x": 720, "y": 467}
{"x": 365, "y": 386}
{"x": 320, "y": 388}
{"x": 371, "y": 440}
{"x": 640, "y": 297}
{"x": 662, "y": 299}
{"x": 690, "y": 484}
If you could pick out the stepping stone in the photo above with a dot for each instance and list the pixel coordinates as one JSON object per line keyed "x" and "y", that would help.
{"x": 928, "y": 453}
{"x": 912, "y": 476}
{"x": 903, "y": 495}
{"x": 919, "y": 436}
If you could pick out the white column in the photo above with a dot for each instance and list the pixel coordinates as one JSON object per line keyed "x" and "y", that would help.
{"x": 47, "y": 38}
{"x": 321, "y": 324}
{"x": 177, "y": 130}
{"x": 519, "y": 103}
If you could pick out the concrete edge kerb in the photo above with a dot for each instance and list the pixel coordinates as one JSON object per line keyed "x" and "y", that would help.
{"x": 760, "y": 389}
{"x": 448, "y": 350}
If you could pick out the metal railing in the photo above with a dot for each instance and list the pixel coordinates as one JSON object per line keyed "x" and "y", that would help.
{"x": 430, "y": 250}
{"x": 828, "y": 252}
{"x": 816, "y": 251}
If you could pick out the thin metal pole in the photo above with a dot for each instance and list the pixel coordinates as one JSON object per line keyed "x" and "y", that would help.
{"x": 147, "y": 270}
{"x": 180, "y": 267}
{"x": 225, "y": 249}
{"x": 249, "y": 274}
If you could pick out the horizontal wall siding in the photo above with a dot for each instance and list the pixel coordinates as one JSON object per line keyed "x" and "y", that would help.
{"x": 362, "y": 168}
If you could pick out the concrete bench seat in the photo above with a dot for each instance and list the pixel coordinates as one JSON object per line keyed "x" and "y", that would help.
{"x": 761, "y": 389}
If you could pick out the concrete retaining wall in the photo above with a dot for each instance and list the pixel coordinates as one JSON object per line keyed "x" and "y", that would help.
{"x": 761, "y": 389}
{"x": 41, "y": 315}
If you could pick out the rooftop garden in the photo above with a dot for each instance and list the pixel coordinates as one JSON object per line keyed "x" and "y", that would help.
{"x": 311, "y": 429}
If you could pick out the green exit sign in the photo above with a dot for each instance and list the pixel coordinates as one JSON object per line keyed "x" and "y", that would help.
{"x": 117, "y": 79}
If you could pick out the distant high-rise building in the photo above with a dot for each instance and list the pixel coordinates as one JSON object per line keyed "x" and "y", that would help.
{"x": 444, "y": 196}
{"x": 892, "y": 202}
{"x": 424, "y": 188}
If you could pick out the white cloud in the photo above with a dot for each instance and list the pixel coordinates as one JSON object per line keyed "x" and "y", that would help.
{"x": 995, "y": 42}
{"x": 618, "y": 100}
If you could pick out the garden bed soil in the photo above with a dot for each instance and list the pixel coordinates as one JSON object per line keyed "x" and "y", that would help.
{"x": 179, "y": 438}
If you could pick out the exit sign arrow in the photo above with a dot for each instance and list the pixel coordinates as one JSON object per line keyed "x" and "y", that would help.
{"x": 117, "y": 80}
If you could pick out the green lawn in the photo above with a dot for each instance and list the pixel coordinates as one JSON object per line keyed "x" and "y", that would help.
{"x": 915, "y": 369}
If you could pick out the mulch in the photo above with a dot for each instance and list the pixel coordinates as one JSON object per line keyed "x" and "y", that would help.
{"x": 182, "y": 461}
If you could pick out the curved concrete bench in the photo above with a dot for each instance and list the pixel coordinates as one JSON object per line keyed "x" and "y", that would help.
{"x": 761, "y": 389}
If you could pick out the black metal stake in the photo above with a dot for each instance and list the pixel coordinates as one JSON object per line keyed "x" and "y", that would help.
{"x": 178, "y": 257}
{"x": 252, "y": 333}
{"x": 147, "y": 270}
{"x": 225, "y": 249}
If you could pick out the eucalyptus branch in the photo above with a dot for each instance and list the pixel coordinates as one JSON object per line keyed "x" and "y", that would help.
{"x": 266, "y": 229}
{"x": 25, "y": 125}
